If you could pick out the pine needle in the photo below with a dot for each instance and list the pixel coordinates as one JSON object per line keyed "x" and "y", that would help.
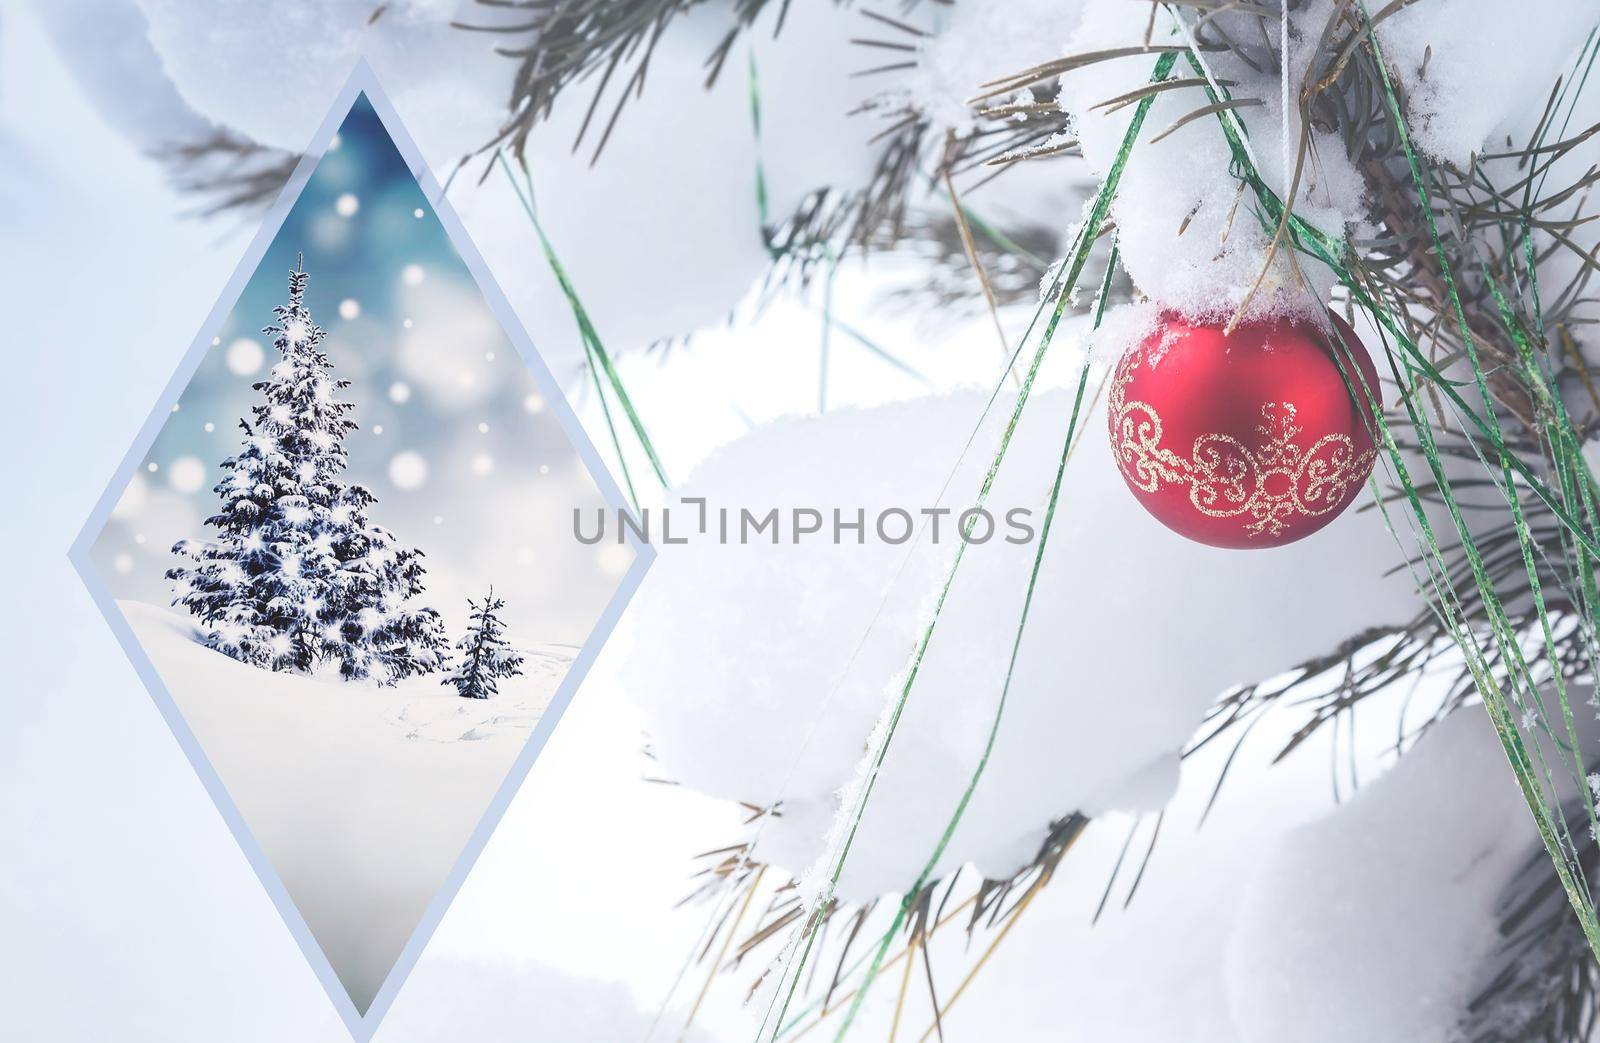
{"x": 977, "y": 267}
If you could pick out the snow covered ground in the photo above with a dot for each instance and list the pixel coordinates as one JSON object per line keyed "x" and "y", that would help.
{"x": 362, "y": 797}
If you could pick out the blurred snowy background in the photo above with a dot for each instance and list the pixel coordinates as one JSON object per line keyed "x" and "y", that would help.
{"x": 454, "y": 436}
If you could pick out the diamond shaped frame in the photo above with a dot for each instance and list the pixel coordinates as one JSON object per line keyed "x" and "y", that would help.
{"x": 362, "y": 1026}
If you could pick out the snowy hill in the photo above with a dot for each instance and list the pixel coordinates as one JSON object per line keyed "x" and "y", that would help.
{"x": 361, "y": 796}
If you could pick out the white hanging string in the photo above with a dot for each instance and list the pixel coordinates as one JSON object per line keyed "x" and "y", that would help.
{"x": 1283, "y": 85}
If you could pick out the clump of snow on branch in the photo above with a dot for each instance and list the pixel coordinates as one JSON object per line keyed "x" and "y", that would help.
{"x": 769, "y": 666}
{"x": 1166, "y": 935}
{"x": 269, "y": 71}
{"x": 656, "y": 241}
{"x": 692, "y": 229}
{"x": 976, "y": 43}
{"x": 1395, "y": 898}
{"x": 105, "y": 42}
{"x": 814, "y": 132}
{"x": 1187, "y": 238}
{"x": 1566, "y": 263}
{"x": 1469, "y": 72}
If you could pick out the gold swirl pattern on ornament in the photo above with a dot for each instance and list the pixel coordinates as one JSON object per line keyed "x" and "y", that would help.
{"x": 1271, "y": 485}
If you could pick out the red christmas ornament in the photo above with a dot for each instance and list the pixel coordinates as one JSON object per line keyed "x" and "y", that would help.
{"x": 1243, "y": 439}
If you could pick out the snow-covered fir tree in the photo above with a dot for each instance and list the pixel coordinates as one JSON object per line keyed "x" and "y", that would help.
{"x": 485, "y": 655}
{"x": 298, "y": 576}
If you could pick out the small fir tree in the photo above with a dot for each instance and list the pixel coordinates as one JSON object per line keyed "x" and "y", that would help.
{"x": 485, "y": 655}
{"x": 298, "y": 576}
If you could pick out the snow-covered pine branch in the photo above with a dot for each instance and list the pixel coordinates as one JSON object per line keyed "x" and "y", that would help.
{"x": 485, "y": 655}
{"x": 298, "y": 576}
